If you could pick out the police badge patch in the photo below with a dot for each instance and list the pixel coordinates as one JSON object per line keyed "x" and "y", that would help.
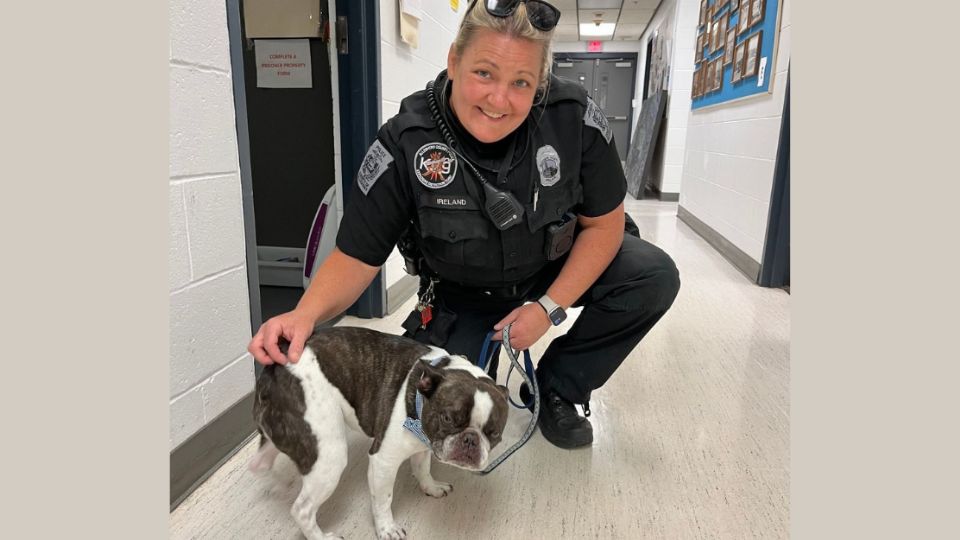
{"x": 435, "y": 165}
{"x": 373, "y": 165}
{"x": 594, "y": 117}
{"x": 548, "y": 163}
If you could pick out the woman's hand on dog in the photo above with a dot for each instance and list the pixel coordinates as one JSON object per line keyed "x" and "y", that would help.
{"x": 292, "y": 326}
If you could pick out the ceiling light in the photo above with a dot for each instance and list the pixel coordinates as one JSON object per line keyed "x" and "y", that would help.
{"x": 602, "y": 29}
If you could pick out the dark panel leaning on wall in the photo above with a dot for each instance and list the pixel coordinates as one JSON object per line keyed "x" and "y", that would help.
{"x": 291, "y": 150}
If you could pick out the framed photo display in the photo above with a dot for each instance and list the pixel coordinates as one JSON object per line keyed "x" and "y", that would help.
{"x": 744, "y": 18}
{"x": 722, "y": 30}
{"x": 741, "y": 34}
{"x": 738, "y": 62}
{"x": 751, "y": 59}
{"x": 718, "y": 74}
{"x": 708, "y": 78}
{"x": 756, "y": 11}
{"x": 728, "y": 48}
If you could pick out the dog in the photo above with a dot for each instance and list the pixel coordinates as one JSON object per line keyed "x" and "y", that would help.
{"x": 373, "y": 382}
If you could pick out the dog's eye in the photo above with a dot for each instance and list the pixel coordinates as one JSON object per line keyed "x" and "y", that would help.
{"x": 446, "y": 419}
{"x": 494, "y": 434}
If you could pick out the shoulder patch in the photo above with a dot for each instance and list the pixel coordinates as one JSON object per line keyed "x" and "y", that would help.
{"x": 435, "y": 165}
{"x": 594, "y": 117}
{"x": 374, "y": 163}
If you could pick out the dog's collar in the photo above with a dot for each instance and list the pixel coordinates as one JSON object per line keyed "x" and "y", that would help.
{"x": 413, "y": 425}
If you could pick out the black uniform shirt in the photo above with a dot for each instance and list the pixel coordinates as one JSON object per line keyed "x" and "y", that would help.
{"x": 565, "y": 160}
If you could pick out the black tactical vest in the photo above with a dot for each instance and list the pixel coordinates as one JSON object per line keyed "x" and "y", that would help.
{"x": 458, "y": 241}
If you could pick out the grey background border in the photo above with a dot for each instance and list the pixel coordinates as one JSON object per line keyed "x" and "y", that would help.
{"x": 874, "y": 281}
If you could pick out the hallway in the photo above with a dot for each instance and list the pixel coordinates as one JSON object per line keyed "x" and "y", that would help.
{"x": 691, "y": 437}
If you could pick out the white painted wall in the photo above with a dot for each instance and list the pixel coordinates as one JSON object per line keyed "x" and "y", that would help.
{"x": 210, "y": 369}
{"x": 730, "y": 155}
{"x": 404, "y": 70}
{"x": 666, "y": 21}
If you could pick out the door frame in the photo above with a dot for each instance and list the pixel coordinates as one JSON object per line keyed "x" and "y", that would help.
{"x": 561, "y": 56}
{"x": 775, "y": 268}
{"x": 360, "y": 107}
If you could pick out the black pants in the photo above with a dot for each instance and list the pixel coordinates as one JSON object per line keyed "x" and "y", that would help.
{"x": 620, "y": 308}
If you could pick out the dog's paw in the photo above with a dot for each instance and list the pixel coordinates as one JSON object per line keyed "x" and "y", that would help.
{"x": 436, "y": 489}
{"x": 391, "y": 532}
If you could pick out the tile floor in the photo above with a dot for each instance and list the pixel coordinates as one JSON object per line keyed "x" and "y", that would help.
{"x": 691, "y": 437}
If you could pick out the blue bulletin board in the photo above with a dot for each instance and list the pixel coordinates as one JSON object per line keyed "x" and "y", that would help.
{"x": 736, "y": 43}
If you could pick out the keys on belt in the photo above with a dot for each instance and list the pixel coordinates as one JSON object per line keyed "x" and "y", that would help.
{"x": 425, "y": 306}
{"x": 423, "y": 314}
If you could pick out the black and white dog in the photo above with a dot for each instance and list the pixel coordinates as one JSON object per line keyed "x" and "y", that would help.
{"x": 413, "y": 400}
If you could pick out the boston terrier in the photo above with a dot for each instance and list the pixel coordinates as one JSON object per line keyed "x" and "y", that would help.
{"x": 413, "y": 400}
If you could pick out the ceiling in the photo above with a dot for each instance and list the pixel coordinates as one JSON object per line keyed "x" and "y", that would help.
{"x": 630, "y": 18}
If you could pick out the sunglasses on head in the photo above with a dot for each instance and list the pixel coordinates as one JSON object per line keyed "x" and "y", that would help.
{"x": 542, "y": 16}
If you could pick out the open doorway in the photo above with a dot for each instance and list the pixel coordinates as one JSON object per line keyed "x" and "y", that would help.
{"x": 288, "y": 149}
{"x": 287, "y": 165}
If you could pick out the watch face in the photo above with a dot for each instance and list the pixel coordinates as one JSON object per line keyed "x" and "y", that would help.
{"x": 557, "y": 316}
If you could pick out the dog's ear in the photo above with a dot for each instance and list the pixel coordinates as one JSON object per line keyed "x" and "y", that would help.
{"x": 503, "y": 390}
{"x": 430, "y": 379}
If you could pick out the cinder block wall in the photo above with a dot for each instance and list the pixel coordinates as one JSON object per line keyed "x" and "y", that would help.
{"x": 210, "y": 369}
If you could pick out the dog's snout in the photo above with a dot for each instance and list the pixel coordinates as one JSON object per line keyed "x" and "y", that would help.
{"x": 471, "y": 439}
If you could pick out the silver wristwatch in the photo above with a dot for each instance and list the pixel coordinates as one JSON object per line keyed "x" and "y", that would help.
{"x": 555, "y": 313}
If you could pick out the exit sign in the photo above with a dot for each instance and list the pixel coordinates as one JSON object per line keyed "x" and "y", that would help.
{"x": 594, "y": 46}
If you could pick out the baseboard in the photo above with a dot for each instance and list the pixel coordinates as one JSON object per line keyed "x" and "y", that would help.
{"x": 740, "y": 260}
{"x": 198, "y": 457}
{"x": 653, "y": 192}
{"x": 401, "y": 291}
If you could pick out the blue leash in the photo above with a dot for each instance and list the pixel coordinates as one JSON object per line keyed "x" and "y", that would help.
{"x": 526, "y": 371}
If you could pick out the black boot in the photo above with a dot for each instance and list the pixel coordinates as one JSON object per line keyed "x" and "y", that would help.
{"x": 559, "y": 421}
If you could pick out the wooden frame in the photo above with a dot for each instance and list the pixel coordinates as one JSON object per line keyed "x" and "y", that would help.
{"x": 724, "y": 21}
{"x": 743, "y": 23}
{"x": 728, "y": 48}
{"x": 734, "y": 4}
{"x": 698, "y": 56}
{"x": 718, "y": 75}
{"x": 751, "y": 57}
{"x": 707, "y": 83}
{"x": 703, "y": 12}
{"x": 738, "y": 62}
{"x": 757, "y": 8}
{"x": 697, "y": 75}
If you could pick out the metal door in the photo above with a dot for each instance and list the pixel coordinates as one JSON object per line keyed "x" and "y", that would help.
{"x": 577, "y": 70}
{"x": 614, "y": 92}
{"x": 609, "y": 79}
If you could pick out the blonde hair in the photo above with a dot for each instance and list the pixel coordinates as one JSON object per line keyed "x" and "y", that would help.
{"x": 517, "y": 25}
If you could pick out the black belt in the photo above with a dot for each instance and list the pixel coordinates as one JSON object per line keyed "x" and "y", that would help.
{"x": 506, "y": 292}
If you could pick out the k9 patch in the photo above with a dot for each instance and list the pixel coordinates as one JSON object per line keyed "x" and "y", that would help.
{"x": 435, "y": 165}
{"x": 594, "y": 117}
{"x": 373, "y": 165}
{"x": 548, "y": 163}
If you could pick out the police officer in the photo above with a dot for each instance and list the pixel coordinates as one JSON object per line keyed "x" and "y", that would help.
{"x": 507, "y": 188}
